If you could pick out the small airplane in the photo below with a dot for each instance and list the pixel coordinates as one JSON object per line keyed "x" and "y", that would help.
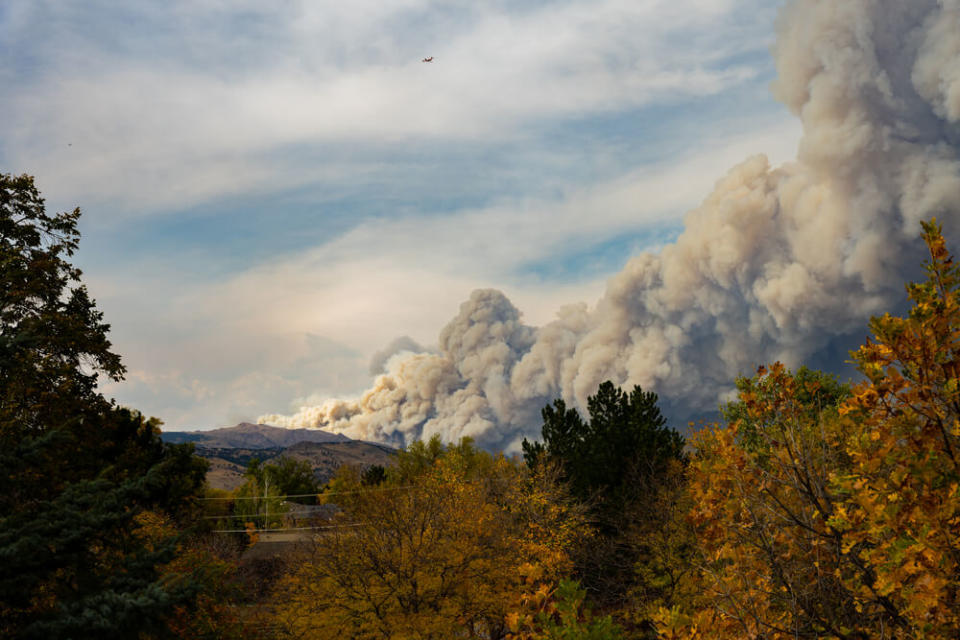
{"x": 430, "y": 59}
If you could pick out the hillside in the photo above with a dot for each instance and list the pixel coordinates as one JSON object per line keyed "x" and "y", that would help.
{"x": 326, "y": 458}
{"x": 229, "y": 450}
{"x": 251, "y": 436}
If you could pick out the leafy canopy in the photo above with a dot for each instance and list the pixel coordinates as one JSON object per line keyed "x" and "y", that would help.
{"x": 264, "y": 497}
{"x": 451, "y": 543}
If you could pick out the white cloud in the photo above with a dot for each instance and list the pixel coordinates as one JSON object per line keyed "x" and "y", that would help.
{"x": 158, "y": 121}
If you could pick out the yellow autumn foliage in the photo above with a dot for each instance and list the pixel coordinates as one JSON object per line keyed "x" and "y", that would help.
{"x": 449, "y": 551}
{"x": 822, "y": 523}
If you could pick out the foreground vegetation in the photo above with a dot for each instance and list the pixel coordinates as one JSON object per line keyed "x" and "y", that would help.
{"x": 813, "y": 510}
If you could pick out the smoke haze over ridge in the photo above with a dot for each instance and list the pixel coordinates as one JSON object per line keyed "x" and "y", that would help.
{"x": 774, "y": 264}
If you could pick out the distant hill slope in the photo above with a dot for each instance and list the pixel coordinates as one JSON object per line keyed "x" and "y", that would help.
{"x": 251, "y": 436}
{"x": 326, "y": 458}
{"x": 230, "y": 449}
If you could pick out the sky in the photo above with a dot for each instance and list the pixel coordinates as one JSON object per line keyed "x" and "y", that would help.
{"x": 273, "y": 193}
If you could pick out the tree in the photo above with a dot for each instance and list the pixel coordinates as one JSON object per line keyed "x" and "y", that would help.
{"x": 661, "y": 545}
{"x": 839, "y": 522}
{"x": 420, "y": 457}
{"x": 293, "y": 477}
{"x": 627, "y": 464}
{"x": 264, "y": 497}
{"x": 208, "y": 565}
{"x": 442, "y": 552}
{"x": 373, "y": 475}
{"x": 770, "y": 563}
{"x": 626, "y": 434}
{"x": 560, "y": 614}
{"x": 75, "y": 469}
{"x": 258, "y": 501}
{"x": 903, "y": 518}
{"x": 814, "y": 392}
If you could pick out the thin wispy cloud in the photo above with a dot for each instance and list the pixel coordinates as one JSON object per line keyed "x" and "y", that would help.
{"x": 182, "y": 105}
{"x": 253, "y": 175}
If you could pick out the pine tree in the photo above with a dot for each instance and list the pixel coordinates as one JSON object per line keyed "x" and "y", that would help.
{"x": 626, "y": 463}
{"x": 626, "y": 435}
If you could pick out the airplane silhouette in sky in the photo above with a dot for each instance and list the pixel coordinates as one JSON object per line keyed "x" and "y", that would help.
{"x": 430, "y": 59}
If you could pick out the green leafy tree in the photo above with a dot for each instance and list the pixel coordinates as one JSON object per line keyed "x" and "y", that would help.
{"x": 561, "y": 614}
{"x": 293, "y": 477}
{"x": 416, "y": 458}
{"x": 815, "y": 392}
{"x": 258, "y": 500}
{"x": 75, "y": 469}
{"x": 263, "y": 498}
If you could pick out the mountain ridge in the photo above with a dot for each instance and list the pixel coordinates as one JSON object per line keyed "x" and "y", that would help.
{"x": 230, "y": 449}
{"x": 247, "y": 435}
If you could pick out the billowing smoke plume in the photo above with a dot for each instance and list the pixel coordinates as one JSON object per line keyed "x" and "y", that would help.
{"x": 773, "y": 265}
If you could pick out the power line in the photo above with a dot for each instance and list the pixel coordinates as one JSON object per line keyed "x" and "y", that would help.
{"x": 258, "y": 515}
{"x": 407, "y": 487}
{"x": 299, "y": 495}
{"x": 319, "y": 495}
{"x": 334, "y": 526}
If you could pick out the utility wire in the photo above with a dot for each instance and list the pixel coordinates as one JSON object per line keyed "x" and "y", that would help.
{"x": 324, "y": 494}
{"x": 299, "y": 495}
{"x": 319, "y": 495}
{"x": 335, "y": 526}
{"x": 235, "y": 516}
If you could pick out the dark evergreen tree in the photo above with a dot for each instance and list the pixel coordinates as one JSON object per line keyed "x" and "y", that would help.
{"x": 76, "y": 471}
{"x": 373, "y": 475}
{"x": 620, "y": 462}
{"x": 625, "y": 435}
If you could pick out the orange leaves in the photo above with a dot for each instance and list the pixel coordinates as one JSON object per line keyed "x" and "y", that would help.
{"x": 461, "y": 540}
{"x": 909, "y": 461}
{"x": 533, "y": 600}
{"x": 675, "y": 624}
{"x": 771, "y": 525}
{"x": 559, "y": 613}
{"x": 815, "y": 522}
{"x": 252, "y": 536}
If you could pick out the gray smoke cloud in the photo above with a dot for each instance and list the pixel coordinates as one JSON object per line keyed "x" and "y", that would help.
{"x": 401, "y": 345}
{"x": 774, "y": 265}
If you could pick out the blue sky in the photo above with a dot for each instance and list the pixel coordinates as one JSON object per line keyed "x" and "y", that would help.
{"x": 272, "y": 192}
